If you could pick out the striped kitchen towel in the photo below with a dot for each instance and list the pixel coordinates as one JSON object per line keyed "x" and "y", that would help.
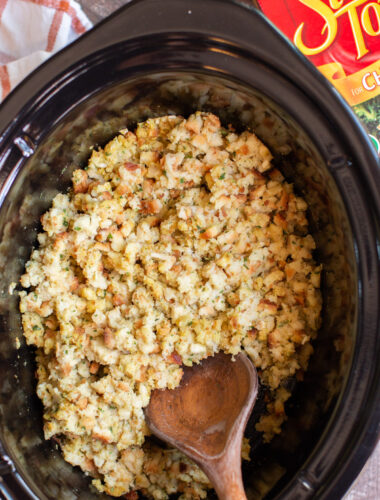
{"x": 31, "y": 31}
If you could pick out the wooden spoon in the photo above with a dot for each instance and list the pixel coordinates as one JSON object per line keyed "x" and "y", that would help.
{"x": 205, "y": 418}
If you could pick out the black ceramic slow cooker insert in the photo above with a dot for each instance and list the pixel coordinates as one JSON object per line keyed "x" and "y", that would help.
{"x": 155, "y": 57}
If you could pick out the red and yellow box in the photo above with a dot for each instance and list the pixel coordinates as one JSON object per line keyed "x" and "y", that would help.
{"x": 342, "y": 38}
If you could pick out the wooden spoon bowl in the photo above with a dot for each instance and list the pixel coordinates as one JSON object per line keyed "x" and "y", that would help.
{"x": 205, "y": 417}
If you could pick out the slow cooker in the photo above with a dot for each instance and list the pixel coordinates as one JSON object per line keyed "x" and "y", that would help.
{"x": 155, "y": 57}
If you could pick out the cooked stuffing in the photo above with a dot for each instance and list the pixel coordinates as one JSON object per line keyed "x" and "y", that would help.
{"x": 177, "y": 241}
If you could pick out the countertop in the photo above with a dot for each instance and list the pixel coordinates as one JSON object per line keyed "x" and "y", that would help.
{"x": 367, "y": 484}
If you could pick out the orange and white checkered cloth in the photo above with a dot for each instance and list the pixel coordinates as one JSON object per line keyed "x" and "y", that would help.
{"x": 31, "y": 31}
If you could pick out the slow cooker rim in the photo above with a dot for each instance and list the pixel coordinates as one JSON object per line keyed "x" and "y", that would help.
{"x": 52, "y": 89}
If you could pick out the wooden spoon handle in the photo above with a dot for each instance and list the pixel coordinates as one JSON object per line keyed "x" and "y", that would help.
{"x": 229, "y": 485}
{"x": 225, "y": 475}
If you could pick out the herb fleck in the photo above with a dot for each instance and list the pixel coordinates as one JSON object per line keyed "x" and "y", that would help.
{"x": 283, "y": 323}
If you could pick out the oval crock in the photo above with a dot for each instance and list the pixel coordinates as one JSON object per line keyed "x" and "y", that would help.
{"x": 144, "y": 48}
